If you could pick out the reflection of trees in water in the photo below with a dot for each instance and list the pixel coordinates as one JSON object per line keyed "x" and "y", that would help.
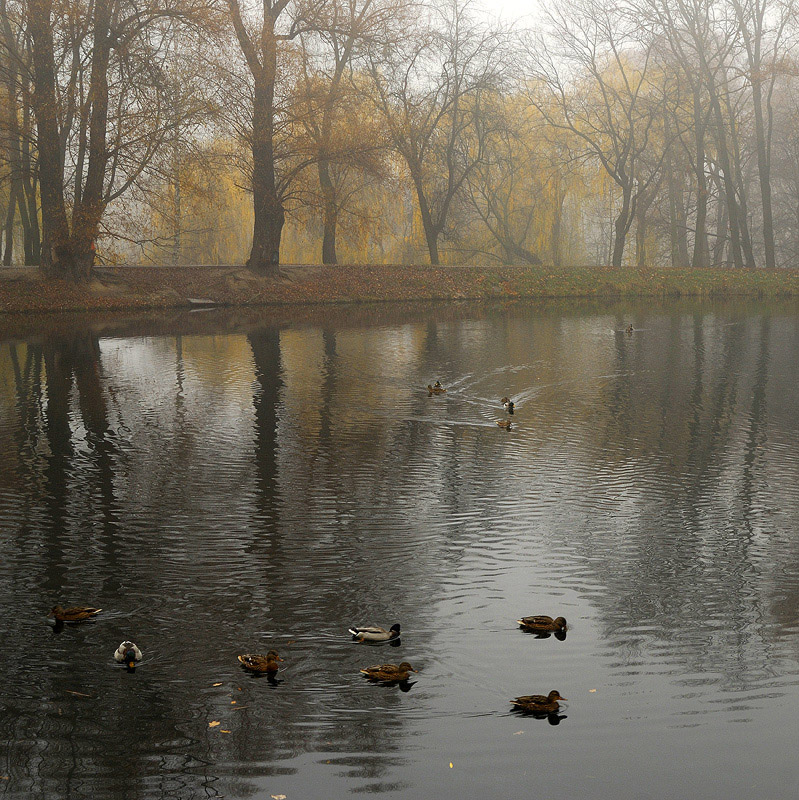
{"x": 224, "y": 558}
{"x": 691, "y": 558}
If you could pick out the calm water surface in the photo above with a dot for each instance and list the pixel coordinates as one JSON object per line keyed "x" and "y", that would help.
{"x": 222, "y": 483}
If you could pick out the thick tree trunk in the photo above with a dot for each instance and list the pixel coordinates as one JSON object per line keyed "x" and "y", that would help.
{"x": 329, "y": 213}
{"x": 54, "y": 214}
{"x": 620, "y": 228}
{"x": 431, "y": 230}
{"x": 70, "y": 251}
{"x": 268, "y": 208}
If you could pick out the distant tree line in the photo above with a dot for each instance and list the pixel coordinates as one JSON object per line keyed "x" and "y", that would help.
{"x": 641, "y": 132}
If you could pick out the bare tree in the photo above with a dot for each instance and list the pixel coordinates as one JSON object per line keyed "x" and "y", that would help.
{"x": 590, "y": 76}
{"x": 428, "y": 91}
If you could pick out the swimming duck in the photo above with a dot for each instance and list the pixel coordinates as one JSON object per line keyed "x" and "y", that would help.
{"x": 504, "y": 423}
{"x": 374, "y": 633}
{"x": 436, "y": 388}
{"x": 508, "y": 404}
{"x": 73, "y": 614}
{"x": 543, "y": 623}
{"x": 262, "y": 664}
{"x": 630, "y": 330}
{"x": 389, "y": 672}
{"x": 128, "y": 653}
{"x": 538, "y": 703}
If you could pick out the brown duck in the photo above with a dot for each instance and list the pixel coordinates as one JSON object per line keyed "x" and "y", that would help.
{"x": 262, "y": 664}
{"x": 389, "y": 672}
{"x": 538, "y": 703}
{"x": 73, "y": 614}
{"x": 542, "y": 623}
{"x": 436, "y": 388}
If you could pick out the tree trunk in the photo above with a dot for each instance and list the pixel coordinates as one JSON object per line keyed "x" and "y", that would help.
{"x": 764, "y": 172}
{"x": 268, "y": 209}
{"x": 701, "y": 251}
{"x": 8, "y": 252}
{"x": 431, "y": 230}
{"x": 620, "y": 228}
{"x": 329, "y": 214}
{"x": 54, "y": 214}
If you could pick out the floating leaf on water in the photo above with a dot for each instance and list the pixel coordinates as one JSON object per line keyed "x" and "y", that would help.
{"x": 518, "y": 733}
{"x": 278, "y": 797}
{"x": 233, "y": 702}
{"x": 592, "y": 690}
{"x": 450, "y": 765}
{"x": 216, "y": 723}
{"x": 222, "y": 730}
{"x": 217, "y": 684}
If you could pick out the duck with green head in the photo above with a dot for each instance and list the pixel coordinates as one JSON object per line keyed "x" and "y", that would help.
{"x": 374, "y": 633}
{"x": 128, "y": 654}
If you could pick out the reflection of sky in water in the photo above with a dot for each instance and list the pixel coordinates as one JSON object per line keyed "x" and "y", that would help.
{"x": 232, "y": 492}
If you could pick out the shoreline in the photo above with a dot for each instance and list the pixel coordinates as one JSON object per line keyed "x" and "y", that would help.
{"x": 24, "y": 290}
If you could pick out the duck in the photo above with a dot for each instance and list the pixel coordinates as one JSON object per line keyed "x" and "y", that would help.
{"x": 629, "y": 330}
{"x": 508, "y": 404}
{"x": 261, "y": 664}
{"x": 436, "y": 388}
{"x": 73, "y": 614}
{"x": 538, "y": 703}
{"x": 543, "y": 623}
{"x": 504, "y": 423}
{"x": 128, "y": 653}
{"x": 374, "y": 633}
{"x": 389, "y": 672}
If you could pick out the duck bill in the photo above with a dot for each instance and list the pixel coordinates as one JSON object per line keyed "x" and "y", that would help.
{"x": 131, "y": 665}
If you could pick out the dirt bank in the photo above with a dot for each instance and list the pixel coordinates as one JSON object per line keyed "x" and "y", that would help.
{"x": 118, "y": 288}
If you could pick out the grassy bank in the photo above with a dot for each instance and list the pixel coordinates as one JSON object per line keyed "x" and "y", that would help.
{"x": 118, "y": 288}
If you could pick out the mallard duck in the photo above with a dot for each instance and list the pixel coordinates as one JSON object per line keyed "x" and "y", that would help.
{"x": 388, "y": 672}
{"x": 543, "y": 623}
{"x": 504, "y": 423}
{"x": 508, "y": 404}
{"x": 538, "y": 703}
{"x": 73, "y": 614}
{"x": 374, "y": 633}
{"x": 630, "y": 330}
{"x": 257, "y": 663}
{"x": 436, "y": 388}
{"x": 127, "y": 653}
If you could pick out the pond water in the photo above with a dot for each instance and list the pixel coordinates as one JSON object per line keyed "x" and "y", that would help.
{"x": 228, "y": 482}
